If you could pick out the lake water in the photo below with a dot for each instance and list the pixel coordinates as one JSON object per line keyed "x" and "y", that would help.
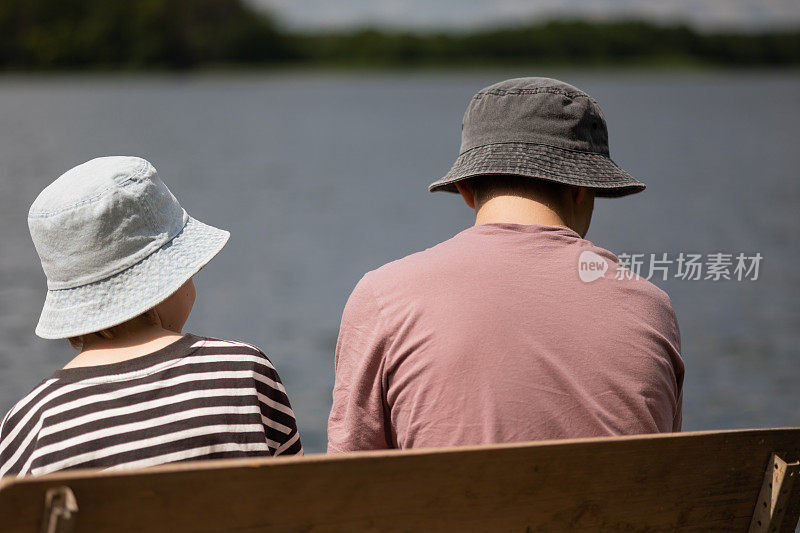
{"x": 321, "y": 177}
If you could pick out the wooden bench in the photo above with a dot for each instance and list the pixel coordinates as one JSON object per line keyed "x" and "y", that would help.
{"x": 700, "y": 481}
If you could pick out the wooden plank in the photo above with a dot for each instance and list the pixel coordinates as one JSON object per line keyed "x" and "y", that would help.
{"x": 701, "y": 481}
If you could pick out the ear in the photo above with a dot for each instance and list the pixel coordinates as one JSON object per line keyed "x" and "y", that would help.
{"x": 466, "y": 193}
{"x": 579, "y": 195}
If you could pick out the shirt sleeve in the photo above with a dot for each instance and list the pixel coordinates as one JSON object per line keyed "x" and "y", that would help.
{"x": 280, "y": 426}
{"x": 674, "y": 335}
{"x": 359, "y": 418}
{"x": 677, "y": 422}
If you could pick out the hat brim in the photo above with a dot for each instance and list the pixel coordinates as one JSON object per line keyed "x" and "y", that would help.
{"x": 127, "y": 294}
{"x": 571, "y": 167}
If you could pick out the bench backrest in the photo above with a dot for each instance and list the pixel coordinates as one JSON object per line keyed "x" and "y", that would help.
{"x": 698, "y": 481}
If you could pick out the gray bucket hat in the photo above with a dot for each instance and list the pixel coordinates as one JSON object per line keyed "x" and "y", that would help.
{"x": 114, "y": 242}
{"x": 538, "y": 128}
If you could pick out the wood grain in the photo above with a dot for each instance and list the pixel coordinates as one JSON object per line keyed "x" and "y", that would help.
{"x": 700, "y": 481}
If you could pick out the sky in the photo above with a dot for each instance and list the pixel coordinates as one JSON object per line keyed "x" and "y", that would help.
{"x": 751, "y": 15}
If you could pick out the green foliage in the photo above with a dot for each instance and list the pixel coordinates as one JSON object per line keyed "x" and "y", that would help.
{"x": 134, "y": 33}
{"x": 79, "y": 34}
{"x": 562, "y": 42}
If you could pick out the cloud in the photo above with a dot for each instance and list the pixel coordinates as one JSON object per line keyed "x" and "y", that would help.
{"x": 739, "y": 14}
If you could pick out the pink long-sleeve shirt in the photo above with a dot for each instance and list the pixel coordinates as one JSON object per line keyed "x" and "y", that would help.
{"x": 496, "y": 336}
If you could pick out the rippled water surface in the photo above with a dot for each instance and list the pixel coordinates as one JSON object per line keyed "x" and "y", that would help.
{"x": 321, "y": 177}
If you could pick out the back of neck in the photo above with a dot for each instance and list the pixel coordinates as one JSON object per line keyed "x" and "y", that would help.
{"x": 517, "y": 210}
{"x": 128, "y": 345}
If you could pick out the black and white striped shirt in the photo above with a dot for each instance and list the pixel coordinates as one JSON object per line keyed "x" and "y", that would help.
{"x": 197, "y": 398}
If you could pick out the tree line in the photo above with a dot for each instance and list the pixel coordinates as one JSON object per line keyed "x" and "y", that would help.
{"x": 178, "y": 34}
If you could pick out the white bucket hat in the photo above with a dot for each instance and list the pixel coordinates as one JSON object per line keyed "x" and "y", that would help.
{"x": 114, "y": 242}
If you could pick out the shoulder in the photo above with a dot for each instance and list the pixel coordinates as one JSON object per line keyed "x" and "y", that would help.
{"x": 38, "y": 398}
{"x": 23, "y": 418}
{"x": 387, "y": 282}
{"x": 229, "y": 350}
{"x": 660, "y": 306}
{"x": 618, "y": 271}
{"x": 620, "y": 280}
{"x": 646, "y": 293}
{"x": 414, "y": 269}
{"x": 643, "y": 297}
{"x": 429, "y": 258}
{"x": 216, "y": 344}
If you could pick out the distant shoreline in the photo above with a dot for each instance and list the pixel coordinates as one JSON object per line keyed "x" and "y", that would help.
{"x": 198, "y": 34}
{"x": 211, "y": 72}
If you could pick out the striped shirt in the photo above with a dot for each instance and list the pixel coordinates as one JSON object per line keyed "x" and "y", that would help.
{"x": 198, "y": 398}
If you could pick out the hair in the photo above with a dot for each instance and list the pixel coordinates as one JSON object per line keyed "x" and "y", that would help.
{"x": 489, "y": 185}
{"x": 149, "y": 317}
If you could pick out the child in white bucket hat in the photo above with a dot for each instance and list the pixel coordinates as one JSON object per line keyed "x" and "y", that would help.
{"x": 119, "y": 253}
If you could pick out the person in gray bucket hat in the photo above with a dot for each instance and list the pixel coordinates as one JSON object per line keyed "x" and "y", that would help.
{"x": 538, "y": 128}
{"x": 119, "y": 253}
{"x": 518, "y": 328}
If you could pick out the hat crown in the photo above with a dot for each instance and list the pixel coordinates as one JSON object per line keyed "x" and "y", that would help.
{"x": 535, "y": 110}
{"x": 100, "y": 218}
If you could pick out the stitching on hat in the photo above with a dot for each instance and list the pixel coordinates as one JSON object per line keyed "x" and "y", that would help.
{"x": 564, "y": 179}
{"x": 606, "y": 187}
{"x": 44, "y": 214}
{"x": 519, "y": 92}
{"x": 604, "y": 178}
{"x": 616, "y": 177}
{"x": 587, "y": 152}
{"x": 136, "y": 173}
{"x": 552, "y": 90}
